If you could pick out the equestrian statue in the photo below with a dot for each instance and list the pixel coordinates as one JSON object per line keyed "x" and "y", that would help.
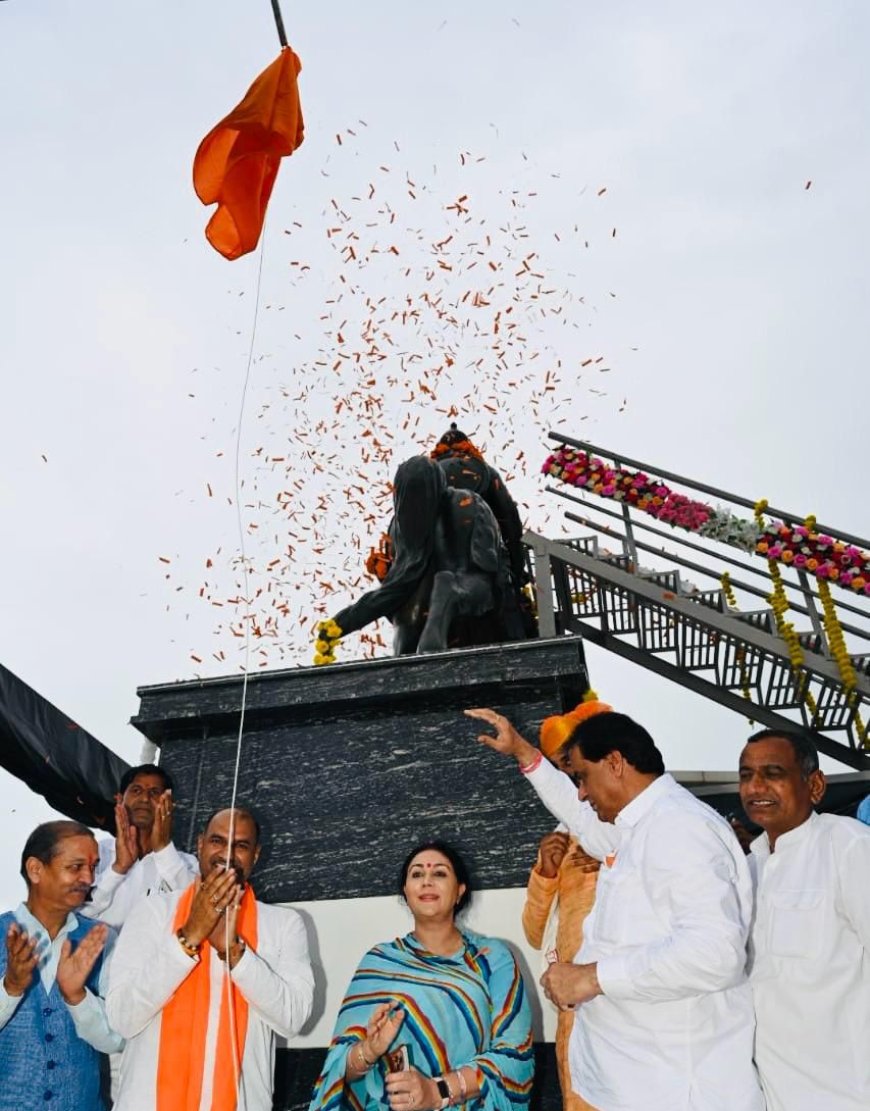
{"x": 451, "y": 565}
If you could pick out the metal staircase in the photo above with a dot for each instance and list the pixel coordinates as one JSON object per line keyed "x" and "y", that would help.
{"x": 599, "y": 586}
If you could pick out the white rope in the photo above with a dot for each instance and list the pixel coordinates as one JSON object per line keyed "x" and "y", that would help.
{"x": 228, "y": 984}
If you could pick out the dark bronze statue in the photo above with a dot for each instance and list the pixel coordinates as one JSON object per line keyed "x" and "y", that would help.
{"x": 465, "y": 469}
{"x": 447, "y": 578}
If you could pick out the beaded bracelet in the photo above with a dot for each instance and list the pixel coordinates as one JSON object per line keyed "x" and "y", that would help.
{"x": 191, "y": 950}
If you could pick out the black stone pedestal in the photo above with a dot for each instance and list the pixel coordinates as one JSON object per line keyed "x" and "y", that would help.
{"x": 343, "y": 763}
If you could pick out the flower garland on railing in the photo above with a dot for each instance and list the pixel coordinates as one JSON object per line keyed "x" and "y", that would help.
{"x": 800, "y": 546}
{"x": 328, "y": 635}
{"x": 838, "y": 649}
{"x": 779, "y": 604}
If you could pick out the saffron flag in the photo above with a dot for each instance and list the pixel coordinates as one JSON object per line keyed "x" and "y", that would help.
{"x": 237, "y": 162}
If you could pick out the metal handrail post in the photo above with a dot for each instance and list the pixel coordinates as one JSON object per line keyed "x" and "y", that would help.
{"x": 544, "y": 593}
{"x": 629, "y": 531}
{"x": 813, "y": 612}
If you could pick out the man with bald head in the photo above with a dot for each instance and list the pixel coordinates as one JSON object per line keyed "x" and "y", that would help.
{"x": 203, "y": 979}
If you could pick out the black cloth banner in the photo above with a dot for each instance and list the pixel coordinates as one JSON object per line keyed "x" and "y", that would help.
{"x": 73, "y": 771}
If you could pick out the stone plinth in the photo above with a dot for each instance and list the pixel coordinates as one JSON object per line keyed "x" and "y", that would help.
{"x": 347, "y": 764}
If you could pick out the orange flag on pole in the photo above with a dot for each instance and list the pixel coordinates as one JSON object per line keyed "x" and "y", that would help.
{"x": 237, "y": 162}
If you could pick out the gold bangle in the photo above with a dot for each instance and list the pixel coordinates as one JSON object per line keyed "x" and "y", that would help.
{"x": 362, "y": 1054}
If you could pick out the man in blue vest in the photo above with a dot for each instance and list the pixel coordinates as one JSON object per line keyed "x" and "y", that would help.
{"x": 53, "y": 1023}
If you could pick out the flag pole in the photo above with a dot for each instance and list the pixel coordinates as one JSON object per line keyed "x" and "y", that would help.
{"x": 279, "y": 22}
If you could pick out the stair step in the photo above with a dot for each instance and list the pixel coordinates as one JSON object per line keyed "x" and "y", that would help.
{"x": 810, "y": 640}
{"x": 713, "y": 599}
{"x": 861, "y": 663}
{"x": 759, "y": 619}
{"x": 670, "y": 580}
{"x": 588, "y": 545}
{"x": 617, "y": 560}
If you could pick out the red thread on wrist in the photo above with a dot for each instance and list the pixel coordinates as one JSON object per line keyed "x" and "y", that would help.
{"x": 527, "y": 769}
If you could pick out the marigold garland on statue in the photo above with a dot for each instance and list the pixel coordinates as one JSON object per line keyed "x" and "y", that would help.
{"x": 328, "y": 635}
{"x": 799, "y": 546}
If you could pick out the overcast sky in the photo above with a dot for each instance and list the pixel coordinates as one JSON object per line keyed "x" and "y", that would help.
{"x": 653, "y": 156}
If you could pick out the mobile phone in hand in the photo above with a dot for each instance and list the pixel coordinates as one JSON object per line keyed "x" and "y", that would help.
{"x": 398, "y": 1059}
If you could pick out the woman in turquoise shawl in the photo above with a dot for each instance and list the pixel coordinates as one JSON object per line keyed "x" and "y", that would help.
{"x": 453, "y": 999}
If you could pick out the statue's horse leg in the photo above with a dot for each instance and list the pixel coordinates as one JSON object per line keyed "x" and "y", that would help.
{"x": 453, "y": 593}
{"x": 409, "y": 620}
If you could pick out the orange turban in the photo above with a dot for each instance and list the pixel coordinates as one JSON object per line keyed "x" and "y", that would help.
{"x": 557, "y": 729}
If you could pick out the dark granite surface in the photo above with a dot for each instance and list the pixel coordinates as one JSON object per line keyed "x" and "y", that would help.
{"x": 348, "y": 765}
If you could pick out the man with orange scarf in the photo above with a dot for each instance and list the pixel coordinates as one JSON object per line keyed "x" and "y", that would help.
{"x": 202, "y": 980}
{"x": 561, "y": 888}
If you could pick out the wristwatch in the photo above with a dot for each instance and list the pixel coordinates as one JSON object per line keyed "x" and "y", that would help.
{"x": 443, "y": 1091}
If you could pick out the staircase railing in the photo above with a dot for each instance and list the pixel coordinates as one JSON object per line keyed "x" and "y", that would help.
{"x": 674, "y": 609}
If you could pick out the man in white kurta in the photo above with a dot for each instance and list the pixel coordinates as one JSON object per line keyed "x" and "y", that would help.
{"x": 141, "y": 860}
{"x": 810, "y": 948}
{"x": 664, "y": 1016}
{"x": 154, "y": 957}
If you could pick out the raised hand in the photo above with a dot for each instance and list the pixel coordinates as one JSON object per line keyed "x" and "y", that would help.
{"x": 161, "y": 830}
{"x": 126, "y": 839}
{"x": 215, "y": 893}
{"x": 506, "y": 740}
{"x": 21, "y": 960}
{"x": 553, "y": 848}
{"x": 75, "y": 965}
{"x": 223, "y": 937}
{"x": 382, "y": 1028}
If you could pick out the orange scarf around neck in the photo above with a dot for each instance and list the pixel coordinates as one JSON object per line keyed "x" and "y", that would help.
{"x": 184, "y": 1025}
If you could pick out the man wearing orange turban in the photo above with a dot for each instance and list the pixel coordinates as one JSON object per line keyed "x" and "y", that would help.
{"x": 561, "y": 889}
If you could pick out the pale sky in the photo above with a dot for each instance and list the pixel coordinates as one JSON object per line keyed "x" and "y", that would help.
{"x": 729, "y": 307}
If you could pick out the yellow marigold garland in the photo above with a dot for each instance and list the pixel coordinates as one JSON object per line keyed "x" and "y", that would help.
{"x": 328, "y": 635}
{"x": 840, "y": 654}
{"x": 779, "y": 604}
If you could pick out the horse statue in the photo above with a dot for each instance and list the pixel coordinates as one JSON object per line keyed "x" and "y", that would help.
{"x": 448, "y": 580}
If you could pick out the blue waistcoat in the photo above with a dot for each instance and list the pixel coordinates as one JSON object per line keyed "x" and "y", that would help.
{"x": 44, "y": 1064}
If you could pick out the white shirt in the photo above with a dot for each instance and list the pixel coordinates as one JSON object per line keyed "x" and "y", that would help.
{"x": 89, "y": 1016}
{"x": 114, "y": 895}
{"x": 674, "y": 1028}
{"x": 147, "y": 966}
{"x": 811, "y": 966}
